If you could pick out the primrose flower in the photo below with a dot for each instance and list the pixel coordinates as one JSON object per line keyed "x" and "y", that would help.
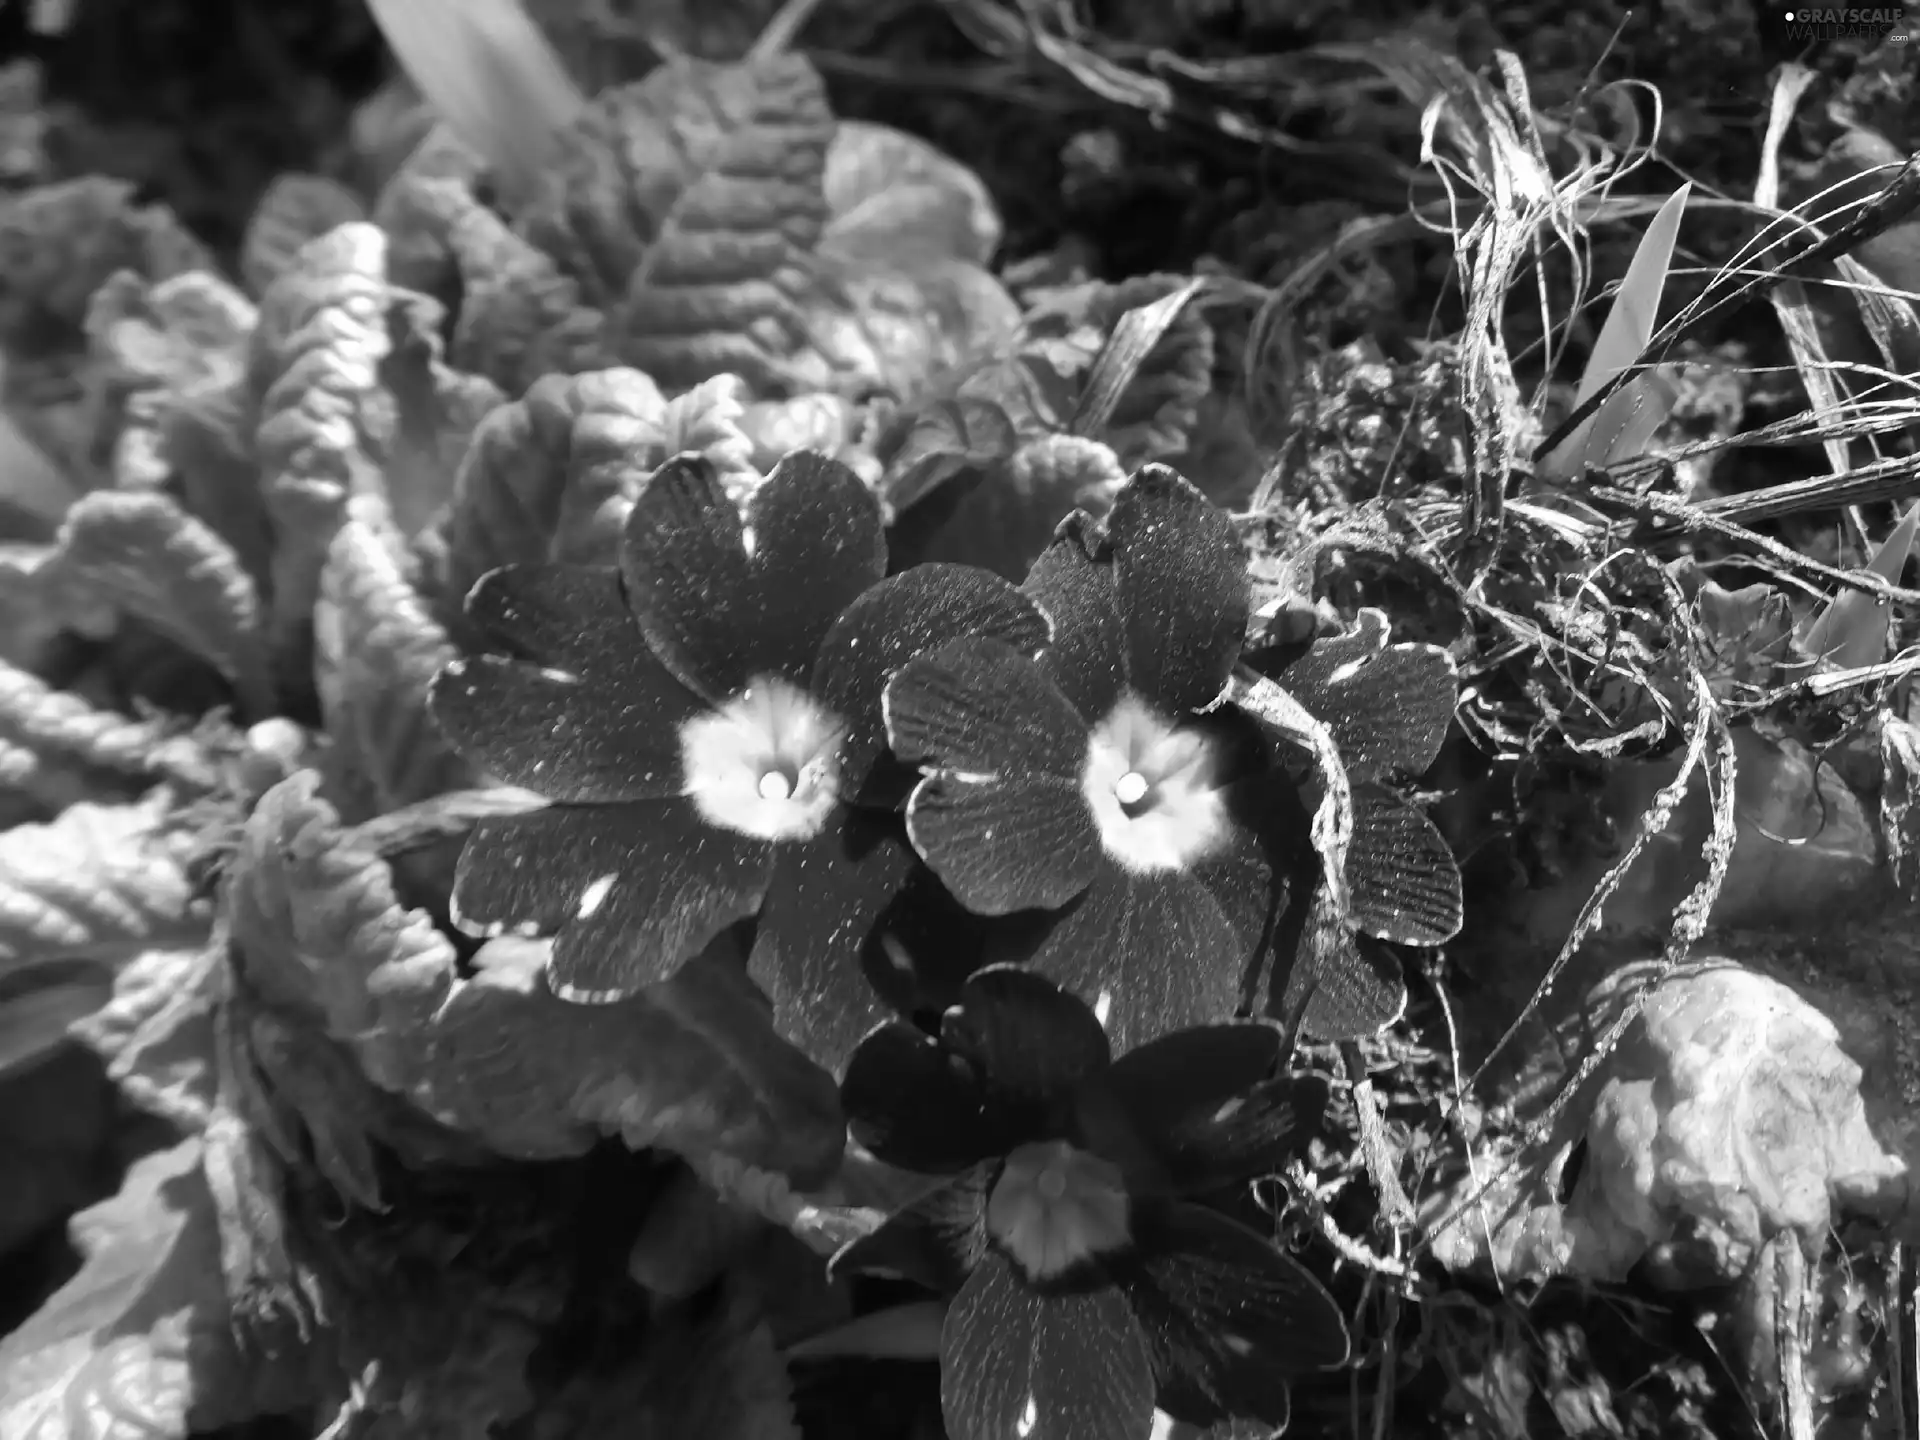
{"x": 705, "y": 718}
{"x": 1088, "y": 1287}
{"x": 1084, "y": 783}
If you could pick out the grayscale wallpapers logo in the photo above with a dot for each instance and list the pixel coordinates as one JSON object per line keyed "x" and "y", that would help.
{"x": 1840, "y": 22}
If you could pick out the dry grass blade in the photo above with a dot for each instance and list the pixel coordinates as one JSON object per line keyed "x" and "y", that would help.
{"x": 1624, "y": 423}
{"x": 490, "y": 73}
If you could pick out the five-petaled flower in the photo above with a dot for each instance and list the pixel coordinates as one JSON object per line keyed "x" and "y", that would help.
{"x": 706, "y": 719}
{"x": 1088, "y": 1285}
{"x": 1083, "y": 786}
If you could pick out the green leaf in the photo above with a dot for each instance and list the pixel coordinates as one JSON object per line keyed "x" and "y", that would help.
{"x": 376, "y": 649}
{"x": 156, "y": 347}
{"x": 58, "y": 727}
{"x": 140, "y": 1340}
{"x": 693, "y": 1065}
{"x": 893, "y": 196}
{"x": 100, "y": 881}
{"x": 59, "y": 243}
{"x": 1622, "y": 427}
{"x": 156, "y": 1032}
{"x": 147, "y": 556}
{"x": 314, "y": 375}
{"x": 551, "y": 476}
{"x": 520, "y": 316}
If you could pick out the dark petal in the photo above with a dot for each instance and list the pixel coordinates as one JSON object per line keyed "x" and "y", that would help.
{"x": 1402, "y": 881}
{"x": 980, "y": 706}
{"x": 1228, "y": 1317}
{"x": 1067, "y": 1366}
{"x": 1388, "y": 706}
{"x": 1184, "y": 594}
{"x": 1264, "y": 1129}
{"x": 1005, "y": 845}
{"x": 1249, "y": 882}
{"x": 1087, "y": 656}
{"x": 1034, "y": 1043}
{"x": 1176, "y": 1141}
{"x": 917, "y": 1105}
{"x": 818, "y": 543}
{"x": 891, "y": 623}
{"x": 610, "y": 735}
{"x": 936, "y": 1241}
{"x": 814, "y": 944}
{"x": 684, "y": 560}
{"x": 1157, "y": 946}
{"x": 1335, "y": 988}
{"x": 573, "y": 617}
{"x": 655, "y": 881}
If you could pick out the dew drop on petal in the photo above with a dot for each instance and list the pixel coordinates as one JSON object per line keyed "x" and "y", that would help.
{"x": 1103, "y": 1007}
{"x": 594, "y": 896}
{"x": 1029, "y": 1417}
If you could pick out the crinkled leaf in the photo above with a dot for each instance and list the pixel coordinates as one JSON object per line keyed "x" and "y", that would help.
{"x": 1404, "y": 883}
{"x": 691, "y": 1065}
{"x": 100, "y": 881}
{"x": 520, "y": 316}
{"x": 140, "y": 1340}
{"x": 57, "y": 727}
{"x": 435, "y": 412}
{"x": 155, "y": 348}
{"x": 176, "y": 574}
{"x": 892, "y": 195}
{"x": 314, "y": 372}
{"x": 376, "y": 649}
{"x": 709, "y": 1371}
{"x": 689, "y": 207}
{"x": 59, "y": 243}
{"x": 551, "y": 476}
{"x": 293, "y": 210}
{"x": 692, "y": 208}
{"x": 156, "y": 1033}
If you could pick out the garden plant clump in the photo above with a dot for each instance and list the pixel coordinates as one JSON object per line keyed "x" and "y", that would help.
{"x": 698, "y": 740}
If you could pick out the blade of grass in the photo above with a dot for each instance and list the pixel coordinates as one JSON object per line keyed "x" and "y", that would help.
{"x": 489, "y": 72}
{"x": 1620, "y": 427}
{"x": 1851, "y": 629}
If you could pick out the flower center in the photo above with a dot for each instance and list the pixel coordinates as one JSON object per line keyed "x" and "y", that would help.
{"x": 1055, "y": 1207}
{"x": 1153, "y": 789}
{"x": 766, "y": 764}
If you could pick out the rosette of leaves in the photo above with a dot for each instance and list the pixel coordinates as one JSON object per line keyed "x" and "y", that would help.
{"x": 714, "y": 219}
{"x": 1079, "y": 1225}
